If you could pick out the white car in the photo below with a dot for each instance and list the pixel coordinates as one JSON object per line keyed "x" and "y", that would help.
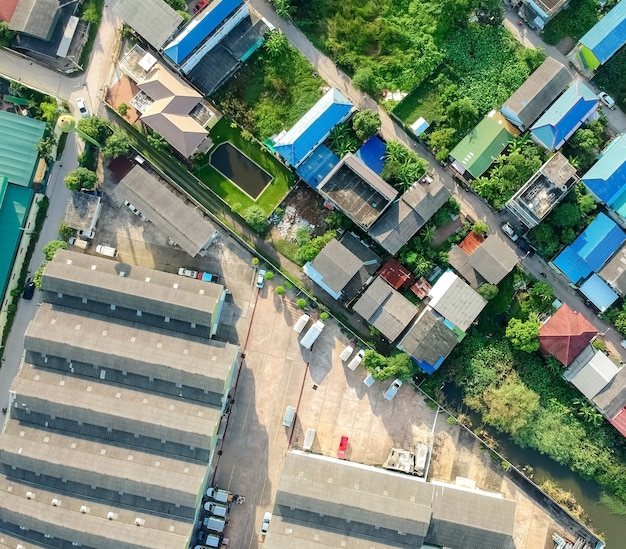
{"x": 607, "y": 100}
{"x": 265, "y": 525}
{"x": 260, "y": 279}
{"x": 188, "y": 272}
{"x": 82, "y": 107}
{"x": 508, "y": 231}
{"x": 391, "y": 392}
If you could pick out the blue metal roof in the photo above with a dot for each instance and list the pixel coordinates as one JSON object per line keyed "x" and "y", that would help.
{"x": 372, "y": 154}
{"x": 565, "y": 116}
{"x": 607, "y": 177}
{"x": 599, "y": 293}
{"x": 608, "y": 35}
{"x": 591, "y": 250}
{"x": 317, "y": 166}
{"x": 198, "y": 29}
{"x": 313, "y": 128}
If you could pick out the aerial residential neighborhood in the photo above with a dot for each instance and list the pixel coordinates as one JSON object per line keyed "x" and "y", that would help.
{"x": 311, "y": 274}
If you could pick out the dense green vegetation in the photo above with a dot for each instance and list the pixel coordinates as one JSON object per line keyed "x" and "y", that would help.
{"x": 91, "y": 11}
{"x": 611, "y": 78}
{"x": 398, "y": 365}
{"x": 272, "y": 91}
{"x": 483, "y": 65}
{"x": 572, "y": 22}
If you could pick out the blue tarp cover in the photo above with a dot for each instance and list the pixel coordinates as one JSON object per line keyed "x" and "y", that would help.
{"x": 372, "y": 154}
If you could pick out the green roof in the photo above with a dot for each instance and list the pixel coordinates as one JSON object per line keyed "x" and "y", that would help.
{"x": 480, "y": 147}
{"x": 19, "y": 136}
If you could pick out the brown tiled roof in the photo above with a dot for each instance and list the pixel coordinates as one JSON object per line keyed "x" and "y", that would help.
{"x": 471, "y": 242}
{"x": 396, "y": 275}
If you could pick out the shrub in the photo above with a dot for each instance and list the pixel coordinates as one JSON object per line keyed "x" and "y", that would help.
{"x": 365, "y": 124}
{"x": 255, "y": 261}
{"x": 301, "y": 303}
{"x": 488, "y": 291}
{"x": 89, "y": 157}
{"x": 480, "y": 228}
{"x": 51, "y": 248}
{"x": 122, "y": 109}
{"x": 269, "y": 275}
{"x": 66, "y": 232}
{"x": 303, "y": 236}
{"x": 256, "y": 217}
{"x": 80, "y": 178}
{"x": 279, "y": 290}
{"x": 309, "y": 251}
{"x": 324, "y": 316}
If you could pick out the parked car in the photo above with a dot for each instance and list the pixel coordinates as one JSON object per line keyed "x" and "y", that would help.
{"x": 207, "y": 277}
{"x": 131, "y": 207}
{"x": 391, "y": 392}
{"x": 89, "y": 235}
{"x": 29, "y": 289}
{"x": 260, "y": 279}
{"x": 109, "y": 251}
{"x": 356, "y": 360}
{"x": 343, "y": 447}
{"x": 265, "y": 525}
{"x": 607, "y": 100}
{"x": 509, "y": 231}
{"x": 369, "y": 380}
{"x": 188, "y": 272}
{"x": 200, "y": 6}
{"x": 82, "y": 107}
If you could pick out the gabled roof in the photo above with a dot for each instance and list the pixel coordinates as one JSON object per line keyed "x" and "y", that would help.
{"x": 200, "y": 28}
{"x": 536, "y": 94}
{"x": 154, "y": 20}
{"x": 458, "y": 259}
{"x": 35, "y": 17}
{"x": 456, "y": 301}
{"x": 590, "y": 251}
{"x": 169, "y": 114}
{"x": 607, "y": 177}
{"x": 493, "y": 259}
{"x": 396, "y": 275}
{"x": 565, "y": 335}
{"x": 565, "y": 116}
{"x": 333, "y": 268}
{"x": 598, "y": 292}
{"x": 614, "y": 272}
{"x": 608, "y": 35}
{"x": 594, "y": 375}
{"x": 612, "y": 399}
{"x": 313, "y": 128}
{"x": 385, "y": 309}
{"x": 7, "y": 8}
{"x": 19, "y": 137}
{"x": 480, "y": 147}
{"x": 619, "y": 421}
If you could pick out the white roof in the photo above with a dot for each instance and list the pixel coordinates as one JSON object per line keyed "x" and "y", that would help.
{"x": 595, "y": 375}
{"x": 456, "y": 301}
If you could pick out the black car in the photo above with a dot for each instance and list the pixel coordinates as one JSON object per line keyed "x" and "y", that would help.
{"x": 29, "y": 289}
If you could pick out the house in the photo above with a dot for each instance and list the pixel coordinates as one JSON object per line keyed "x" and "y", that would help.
{"x": 592, "y": 375}
{"x": 182, "y": 223}
{"x": 539, "y": 12}
{"x": 357, "y": 191}
{"x": 367, "y": 506}
{"x": 536, "y": 94}
{"x": 598, "y": 292}
{"x": 604, "y": 39}
{"x": 83, "y": 211}
{"x": 396, "y": 275}
{"x": 343, "y": 267}
{"x": 568, "y": 113}
{"x": 479, "y": 148}
{"x": 154, "y": 20}
{"x": 543, "y": 191}
{"x": 591, "y": 250}
{"x": 297, "y": 144}
{"x": 611, "y": 401}
{"x": 36, "y": 18}
{"x": 385, "y": 309}
{"x": 565, "y": 335}
{"x": 606, "y": 179}
{"x": 112, "y": 417}
{"x": 614, "y": 272}
{"x": 409, "y": 213}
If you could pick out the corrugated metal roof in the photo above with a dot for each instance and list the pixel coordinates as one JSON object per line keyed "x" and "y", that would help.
{"x": 607, "y": 177}
{"x": 612, "y": 398}
{"x": 19, "y": 137}
{"x": 333, "y": 268}
{"x": 595, "y": 375}
{"x": 614, "y": 272}
{"x": 296, "y": 144}
{"x": 608, "y": 35}
{"x": 493, "y": 259}
{"x": 199, "y": 29}
{"x": 456, "y": 301}
{"x": 599, "y": 293}
{"x": 619, "y": 422}
{"x": 154, "y": 20}
{"x": 35, "y": 17}
{"x": 565, "y": 116}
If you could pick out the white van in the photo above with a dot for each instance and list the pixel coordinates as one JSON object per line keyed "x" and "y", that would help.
{"x": 309, "y": 438}
{"x": 109, "y": 251}
{"x": 356, "y": 360}
{"x": 301, "y": 323}
{"x": 421, "y": 454}
{"x": 290, "y": 413}
{"x": 345, "y": 354}
{"x": 312, "y": 334}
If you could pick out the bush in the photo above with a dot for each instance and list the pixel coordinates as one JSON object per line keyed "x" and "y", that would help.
{"x": 324, "y": 316}
{"x": 80, "y": 178}
{"x": 66, "y": 232}
{"x": 480, "y": 228}
{"x": 51, "y": 248}
{"x": 94, "y": 127}
{"x": 256, "y": 218}
{"x": 309, "y": 251}
{"x": 122, "y": 109}
{"x": 269, "y": 275}
{"x": 365, "y": 124}
{"x": 279, "y": 290}
{"x": 303, "y": 236}
{"x": 89, "y": 157}
{"x": 488, "y": 291}
{"x": 116, "y": 145}
{"x": 301, "y": 303}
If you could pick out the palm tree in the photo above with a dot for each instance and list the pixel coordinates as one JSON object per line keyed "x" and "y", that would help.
{"x": 340, "y": 132}
{"x": 395, "y": 150}
{"x": 428, "y": 233}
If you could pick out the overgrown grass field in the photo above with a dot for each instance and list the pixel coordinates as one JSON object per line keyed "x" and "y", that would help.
{"x": 226, "y": 189}
{"x": 572, "y": 22}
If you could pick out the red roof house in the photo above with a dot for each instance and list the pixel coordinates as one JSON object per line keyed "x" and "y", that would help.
{"x": 565, "y": 335}
{"x": 619, "y": 422}
{"x": 396, "y": 275}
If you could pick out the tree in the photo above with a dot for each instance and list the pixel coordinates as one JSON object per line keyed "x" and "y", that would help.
{"x": 122, "y": 109}
{"x": 309, "y": 251}
{"x": 428, "y": 233}
{"x": 49, "y": 111}
{"x": 464, "y": 113}
{"x": 301, "y": 303}
{"x": 565, "y": 215}
{"x": 51, "y": 248}
{"x": 256, "y": 217}
{"x": 116, "y": 145}
{"x": 94, "y": 127}
{"x": 543, "y": 292}
{"x": 158, "y": 142}
{"x": 480, "y": 228}
{"x": 283, "y": 8}
{"x": 366, "y": 80}
{"x": 488, "y": 291}
{"x": 80, "y": 178}
{"x": 276, "y": 43}
{"x": 279, "y": 290}
{"x": 524, "y": 335}
{"x": 365, "y": 124}
{"x": 441, "y": 141}
{"x": 178, "y": 5}
{"x": 66, "y": 232}
{"x": 373, "y": 362}
{"x": 586, "y": 203}
{"x": 46, "y": 145}
{"x": 6, "y": 34}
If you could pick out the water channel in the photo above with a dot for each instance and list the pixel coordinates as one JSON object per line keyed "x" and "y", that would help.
{"x": 586, "y": 492}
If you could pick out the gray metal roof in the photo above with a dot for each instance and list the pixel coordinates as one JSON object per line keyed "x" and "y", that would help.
{"x": 155, "y": 292}
{"x": 538, "y": 92}
{"x": 337, "y": 265}
{"x": 594, "y": 376}
{"x": 168, "y": 212}
{"x": 456, "y": 301}
{"x": 193, "y": 362}
{"x": 459, "y": 261}
{"x": 82, "y": 211}
{"x": 612, "y": 398}
{"x": 92, "y": 528}
{"x": 35, "y": 17}
{"x": 106, "y": 466}
{"x": 493, "y": 259}
{"x": 427, "y": 197}
{"x": 153, "y": 20}
{"x": 429, "y": 338}
{"x": 614, "y": 272}
{"x": 98, "y": 403}
{"x": 385, "y": 309}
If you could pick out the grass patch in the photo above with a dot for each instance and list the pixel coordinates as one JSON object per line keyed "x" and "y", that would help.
{"x": 91, "y": 11}
{"x": 611, "y": 78}
{"x": 271, "y": 94}
{"x": 273, "y": 194}
{"x": 572, "y": 22}
{"x": 287, "y": 249}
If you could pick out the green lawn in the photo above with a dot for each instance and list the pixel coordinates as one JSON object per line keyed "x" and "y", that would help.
{"x": 273, "y": 194}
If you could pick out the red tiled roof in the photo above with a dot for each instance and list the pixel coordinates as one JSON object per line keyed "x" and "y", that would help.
{"x": 471, "y": 242}
{"x": 619, "y": 422}
{"x": 397, "y": 275}
{"x": 565, "y": 335}
{"x": 7, "y": 7}
{"x": 421, "y": 288}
